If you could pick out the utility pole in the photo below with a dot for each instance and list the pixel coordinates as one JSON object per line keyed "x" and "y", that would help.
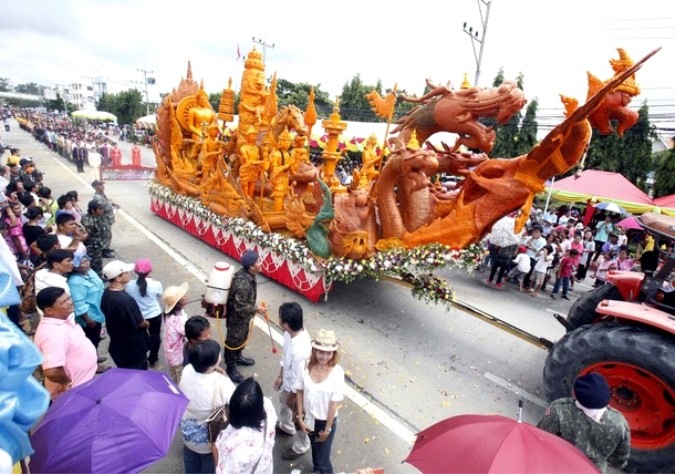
{"x": 264, "y": 45}
{"x": 145, "y": 80}
{"x": 474, "y": 36}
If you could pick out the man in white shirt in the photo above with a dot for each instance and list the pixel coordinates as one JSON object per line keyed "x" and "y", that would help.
{"x": 70, "y": 234}
{"x": 296, "y": 351}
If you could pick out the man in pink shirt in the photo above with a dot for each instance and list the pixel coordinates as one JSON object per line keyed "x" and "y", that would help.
{"x": 69, "y": 357}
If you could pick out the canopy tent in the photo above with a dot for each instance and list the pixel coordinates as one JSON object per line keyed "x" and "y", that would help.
{"x": 667, "y": 204}
{"x": 602, "y": 186}
{"x": 92, "y": 114}
{"x": 149, "y": 122}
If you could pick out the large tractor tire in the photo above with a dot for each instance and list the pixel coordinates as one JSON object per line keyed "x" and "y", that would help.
{"x": 638, "y": 365}
{"x": 583, "y": 312}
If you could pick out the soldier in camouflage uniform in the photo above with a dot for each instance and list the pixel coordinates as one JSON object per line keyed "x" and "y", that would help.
{"x": 97, "y": 227}
{"x": 241, "y": 308}
{"x": 586, "y": 421}
{"x": 109, "y": 213}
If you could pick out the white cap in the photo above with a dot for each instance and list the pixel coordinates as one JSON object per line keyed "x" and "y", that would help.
{"x": 116, "y": 268}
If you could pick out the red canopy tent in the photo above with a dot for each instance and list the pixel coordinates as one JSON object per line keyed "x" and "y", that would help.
{"x": 594, "y": 186}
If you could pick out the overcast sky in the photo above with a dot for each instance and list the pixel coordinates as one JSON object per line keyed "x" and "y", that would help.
{"x": 552, "y": 43}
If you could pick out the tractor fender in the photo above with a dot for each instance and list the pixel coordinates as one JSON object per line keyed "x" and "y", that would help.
{"x": 639, "y": 313}
{"x": 628, "y": 283}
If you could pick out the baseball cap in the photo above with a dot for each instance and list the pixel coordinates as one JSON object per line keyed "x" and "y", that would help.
{"x": 116, "y": 268}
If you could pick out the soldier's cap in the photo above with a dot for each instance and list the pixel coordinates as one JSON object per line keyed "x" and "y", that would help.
{"x": 94, "y": 204}
{"x": 592, "y": 391}
{"x": 249, "y": 258}
{"x": 96, "y": 182}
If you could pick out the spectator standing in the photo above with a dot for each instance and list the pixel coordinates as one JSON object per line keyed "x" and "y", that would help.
{"x": 146, "y": 291}
{"x": 70, "y": 234}
{"x": 197, "y": 329}
{"x": 585, "y": 258}
{"x": 96, "y": 225}
{"x": 69, "y": 357}
{"x": 565, "y": 272}
{"x": 623, "y": 262}
{"x": 15, "y": 238}
{"x": 59, "y": 266}
{"x": 607, "y": 263}
{"x": 589, "y": 423}
{"x": 175, "y": 327}
{"x": 533, "y": 245}
{"x": 109, "y": 209}
{"x": 319, "y": 391}
{"x": 602, "y": 231}
{"x": 129, "y": 338}
{"x": 206, "y": 389}
{"x": 79, "y": 155}
{"x": 297, "y": 350}
{"x": 579, "y": 247}
{"x": 241, "y": 308}
{"x": 501, "y": 263}
{"x": 544, "y": 258}
{"x": 246, "y": 444}
{"x": 522, "y": 267}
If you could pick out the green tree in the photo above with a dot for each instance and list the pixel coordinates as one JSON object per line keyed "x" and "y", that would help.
{"x": 664, "y": 176}
{"x": 127, "y": 105}
{"x": 517, "y": 136}
{"x": 106, "y": 103}
{"x": 290, "y": 93}
{"x": 630, "y": 155}
{"x": 214, "y": 100}
{"x": 56, "y": 104}
{"x": 29, "y": 88}
{"x": 353, "y": 102}
{"x": 5, "y": 85}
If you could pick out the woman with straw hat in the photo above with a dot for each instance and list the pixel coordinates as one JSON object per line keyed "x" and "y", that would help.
{"x": 318, "y": 392}
{"x": 173, "y": 336}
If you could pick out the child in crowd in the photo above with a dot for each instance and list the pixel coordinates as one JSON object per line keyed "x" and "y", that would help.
{"x": 544, "y": 258}
{"x": 175, "y": 319}
{"x": 197, "y": 328}
{"x": 607, "y": 263}
{"x": 522, "y": 267}
{"x": 564, "y": 274}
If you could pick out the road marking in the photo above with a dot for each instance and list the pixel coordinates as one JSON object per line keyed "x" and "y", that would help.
{"x": 518, "y": 391}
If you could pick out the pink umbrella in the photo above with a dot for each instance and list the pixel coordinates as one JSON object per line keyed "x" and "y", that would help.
{"x": 629, "y": 223}
{"x": 493, "y": 443}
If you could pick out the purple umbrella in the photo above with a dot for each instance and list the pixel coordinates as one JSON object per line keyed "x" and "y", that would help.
{"x": 121, "y": 421}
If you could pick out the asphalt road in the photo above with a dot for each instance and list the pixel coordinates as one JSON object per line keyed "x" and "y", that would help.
{"x": 409, "y": 364}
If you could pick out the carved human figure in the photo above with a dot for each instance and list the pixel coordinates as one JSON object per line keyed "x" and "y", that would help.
{"x": 370, "y": 159}
{"x": 280, "y": 161}
{"x": 212, "y": 150}
{"x": 251, "y": 165}
{"x": 198, "y": 114}
{"x": 299, "y": 153}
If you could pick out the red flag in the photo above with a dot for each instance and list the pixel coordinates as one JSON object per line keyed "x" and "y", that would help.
{"x": 238, "y": 53}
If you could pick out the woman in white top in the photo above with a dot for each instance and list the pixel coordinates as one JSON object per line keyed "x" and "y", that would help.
{"x": 246, "y": 445}
{"x": 207, "y": 389}
{"x": 318, "y": 392}
{"x": 146, "y": 292}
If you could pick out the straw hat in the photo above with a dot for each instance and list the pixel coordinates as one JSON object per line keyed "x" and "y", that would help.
{"x": 172, "y": 295}
{"x": 325, "y": 341}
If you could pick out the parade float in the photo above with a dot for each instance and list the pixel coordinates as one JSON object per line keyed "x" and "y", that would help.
{"x": 257, "y": 188}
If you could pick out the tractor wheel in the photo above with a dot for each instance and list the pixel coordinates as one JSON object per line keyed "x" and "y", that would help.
{"x": 638, "y": 365}
{"x": 583, "y": 310}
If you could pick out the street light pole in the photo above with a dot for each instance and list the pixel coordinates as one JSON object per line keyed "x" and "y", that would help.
{"x": 264, "y": 44}
{"x": 474, "y": 36}
{"x": 145, "y": 80}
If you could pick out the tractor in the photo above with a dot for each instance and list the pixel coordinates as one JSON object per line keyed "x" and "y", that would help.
{"x": 625, "y": 331}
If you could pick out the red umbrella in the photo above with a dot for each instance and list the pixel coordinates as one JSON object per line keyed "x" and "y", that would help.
{"x": 493, "y": 443}
{"x": 629, "y": 223}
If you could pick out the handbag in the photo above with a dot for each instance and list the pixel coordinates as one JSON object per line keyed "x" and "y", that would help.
{"x": 217, "y": 421}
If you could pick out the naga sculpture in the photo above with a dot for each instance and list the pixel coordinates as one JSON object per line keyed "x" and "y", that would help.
{"x": 445, "y": 110}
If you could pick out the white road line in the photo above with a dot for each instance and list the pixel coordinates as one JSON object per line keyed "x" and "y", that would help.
{"x": 518, "y": 391}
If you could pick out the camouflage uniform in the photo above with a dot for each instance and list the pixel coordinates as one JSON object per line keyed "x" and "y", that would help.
{"x": 109, "y": 216}
{"x": 241, "y": 307}
{"x": 97, "y": 227}
{"x": 605, "y": 442}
